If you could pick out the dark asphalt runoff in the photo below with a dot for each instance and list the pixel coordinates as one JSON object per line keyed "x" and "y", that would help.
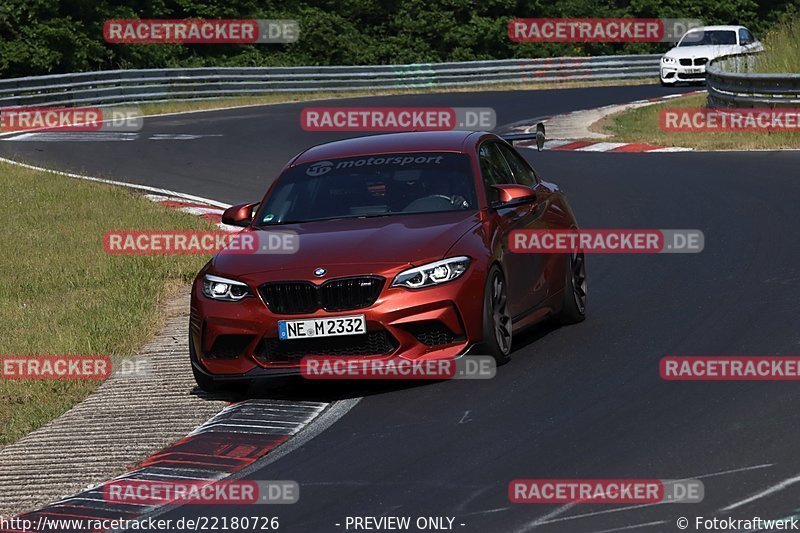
{"x": 240, "y": 151}
{"x": 582, "y": 401}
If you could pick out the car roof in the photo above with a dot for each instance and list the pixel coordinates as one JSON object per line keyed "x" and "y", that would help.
{"x": 713, "y": 28}
{"x": 415, "y": 141}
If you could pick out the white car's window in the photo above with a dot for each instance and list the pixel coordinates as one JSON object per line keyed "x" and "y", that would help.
{"x": 708, "y": 37}
{"x": 745, "y": 37}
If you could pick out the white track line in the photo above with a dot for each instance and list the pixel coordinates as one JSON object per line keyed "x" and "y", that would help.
{"x": 600, "y": 147}
{"x": 157, "y": 190}
{"x": 71, "y": 136}
{"x": 201, "y": 210}
{"x": 549, "y": 518}
{"x": 555, "y": 143}
{"x": 771, "y": 490}
{"x": 672, "y": 149}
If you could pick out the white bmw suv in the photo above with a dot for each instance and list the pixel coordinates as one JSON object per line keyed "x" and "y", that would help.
{"x": 687, "y": 61}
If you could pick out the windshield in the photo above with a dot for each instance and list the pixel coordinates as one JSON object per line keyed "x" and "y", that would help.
{"x": 368, "y": 186}
{"x": 713, "y": 37}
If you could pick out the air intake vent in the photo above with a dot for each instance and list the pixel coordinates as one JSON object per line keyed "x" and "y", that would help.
{"x": 378, "y": 342}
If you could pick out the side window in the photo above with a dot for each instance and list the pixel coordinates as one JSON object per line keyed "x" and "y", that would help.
{"x": 523, "y": 174}
{"x": 745, "y": 37}
{"x": 494, "y": 170}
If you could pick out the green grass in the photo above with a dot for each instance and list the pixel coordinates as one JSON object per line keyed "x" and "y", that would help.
{"x": 781, "y": 49}
{"x": 782, "y": 55}
{"x": 781, "y": 52}
{"x": 62, "y": 294}
{"x": 642, "y": 125}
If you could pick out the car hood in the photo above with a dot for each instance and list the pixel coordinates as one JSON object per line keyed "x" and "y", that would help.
{"x": 392, "y": 240}
{"x": 710, "y": 51}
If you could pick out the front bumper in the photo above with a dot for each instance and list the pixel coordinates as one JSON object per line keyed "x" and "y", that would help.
{"x": 236, "y": 340}
{"x": 678, "y": 73}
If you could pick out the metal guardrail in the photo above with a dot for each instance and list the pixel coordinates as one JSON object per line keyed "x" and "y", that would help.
{"x": 731, "y": 84}
{"x": 154, "y": 85}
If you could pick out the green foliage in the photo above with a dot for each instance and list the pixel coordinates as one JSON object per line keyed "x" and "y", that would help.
{"x": 52, "y": 36}
{"x": 782, "y": 46}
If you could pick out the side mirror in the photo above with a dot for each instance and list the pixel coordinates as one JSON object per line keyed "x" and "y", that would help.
{"x": 539, "y": 136}
{"x": 239, "y": 215}
{"x": 511, "y": 195}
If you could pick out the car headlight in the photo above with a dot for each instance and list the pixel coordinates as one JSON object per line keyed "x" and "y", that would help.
{"x": 667, "y": 60}
{"x": 432, "y": 273}
{"x": 228, "y": 290}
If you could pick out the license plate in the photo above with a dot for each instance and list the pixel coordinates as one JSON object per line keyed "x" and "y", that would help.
{"x": 694, "y": 70}
{"x": 322, "y": 327}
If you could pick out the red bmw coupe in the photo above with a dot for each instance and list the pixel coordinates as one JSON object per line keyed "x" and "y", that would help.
{"x": 402, "y": 252}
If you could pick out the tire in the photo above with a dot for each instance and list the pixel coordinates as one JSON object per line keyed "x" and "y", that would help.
{"x": 208, "y": 383}
{"x": 573, "y": 308}
{"x": 497, "y": 326}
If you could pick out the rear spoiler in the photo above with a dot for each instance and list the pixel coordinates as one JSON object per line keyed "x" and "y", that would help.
{"x": 538, "y": 136}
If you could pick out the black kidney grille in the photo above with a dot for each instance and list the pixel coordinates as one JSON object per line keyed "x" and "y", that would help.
{"x": 341, "y": 294}
{"x": 685, "y": 61}
{"x": 350, "y": 293}
{"x": 291, "y": 297}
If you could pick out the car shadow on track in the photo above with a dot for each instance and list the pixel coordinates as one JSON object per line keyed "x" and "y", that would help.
{"x": 532, "y": 335}
{"x": 300, "y": 389}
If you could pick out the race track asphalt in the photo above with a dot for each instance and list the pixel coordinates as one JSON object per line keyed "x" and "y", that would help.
{"x": 582, "y": 401}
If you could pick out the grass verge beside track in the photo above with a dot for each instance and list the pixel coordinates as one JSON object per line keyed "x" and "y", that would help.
{"x": 642, "y": 125}
{"x": 62, "y": 294}
{"x": 782, "y": 48}
{"x": 184, "y": 106}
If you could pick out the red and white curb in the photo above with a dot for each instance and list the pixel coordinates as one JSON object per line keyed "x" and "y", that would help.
{"x": 570, "y": 131}
{"x": 564, "y": 145}
{"x": 231, "y": 441}
{"x": 212, "y": 213}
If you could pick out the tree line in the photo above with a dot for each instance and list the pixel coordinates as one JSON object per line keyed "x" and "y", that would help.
{"x": 56, "y": 36}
